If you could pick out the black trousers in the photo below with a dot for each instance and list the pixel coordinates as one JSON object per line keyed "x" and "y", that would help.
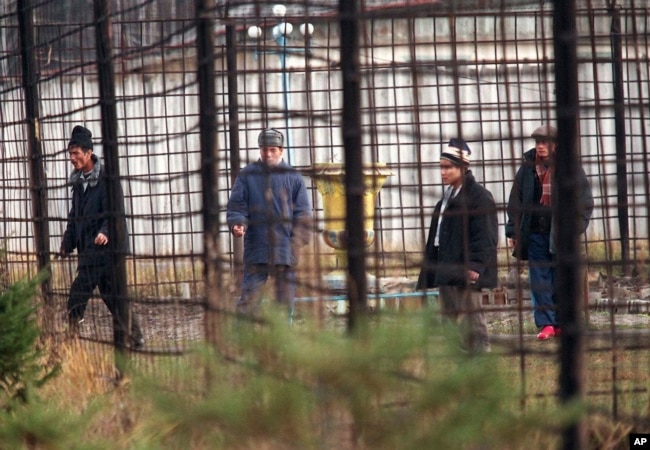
{"x": 91, "y": 277}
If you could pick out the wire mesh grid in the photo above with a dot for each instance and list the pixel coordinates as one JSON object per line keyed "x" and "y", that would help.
{"x": 429, "y": 71}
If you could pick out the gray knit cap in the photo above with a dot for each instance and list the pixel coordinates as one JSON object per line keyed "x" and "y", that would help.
{"x": 270, "y": 138}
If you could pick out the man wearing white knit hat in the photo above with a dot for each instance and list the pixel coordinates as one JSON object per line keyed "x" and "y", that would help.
{"x": 461, "y": 252}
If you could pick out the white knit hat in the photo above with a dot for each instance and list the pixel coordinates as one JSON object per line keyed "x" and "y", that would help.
{"x": 457, "y": 152}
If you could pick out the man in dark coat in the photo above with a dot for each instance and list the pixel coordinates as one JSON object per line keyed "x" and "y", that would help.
{"x": 87, "y": 231}
{"x": 461, "y": 252}
{"x": 270, "y": 208}
{"x": 530, "y": 226}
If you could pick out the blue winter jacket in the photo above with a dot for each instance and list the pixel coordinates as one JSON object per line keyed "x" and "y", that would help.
{"x": 273, "y": 204}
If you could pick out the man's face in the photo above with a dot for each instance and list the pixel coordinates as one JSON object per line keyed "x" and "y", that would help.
{"x": 80, "y": 159}
{"x": 271, "y": 156}
{"x": 451, "y": 173}
{"x": 544, "y": 148}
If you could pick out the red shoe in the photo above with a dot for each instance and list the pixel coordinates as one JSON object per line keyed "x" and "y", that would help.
{"x": 557, "y": 331}
{"x": 547, "y": 332}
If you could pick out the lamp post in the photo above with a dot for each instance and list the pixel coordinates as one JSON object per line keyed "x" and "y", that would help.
{"x": 281, "y": 34}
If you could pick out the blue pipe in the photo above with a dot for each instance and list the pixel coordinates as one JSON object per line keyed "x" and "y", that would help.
{"x": 343, "y": 297}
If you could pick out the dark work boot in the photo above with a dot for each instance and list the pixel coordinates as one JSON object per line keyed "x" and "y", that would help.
{"x": 137, "y": 339}
{"x": 74, "y": 327}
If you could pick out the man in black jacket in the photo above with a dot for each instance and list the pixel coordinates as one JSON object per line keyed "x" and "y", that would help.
{"x": 87, "y": 231}
{"x": 461, "y": 252}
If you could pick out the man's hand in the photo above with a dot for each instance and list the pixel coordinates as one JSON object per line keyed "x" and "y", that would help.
{"x": 101, "y": 239}
{"x": 512, "y": 242}
{"x": 238, "y": 230}
{"x": 472, "y": 277}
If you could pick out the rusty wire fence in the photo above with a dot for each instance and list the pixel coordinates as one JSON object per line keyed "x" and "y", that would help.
{"x": 428, "y": 71}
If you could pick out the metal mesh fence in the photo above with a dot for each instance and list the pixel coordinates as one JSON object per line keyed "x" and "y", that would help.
{"x": 429, "y": 71}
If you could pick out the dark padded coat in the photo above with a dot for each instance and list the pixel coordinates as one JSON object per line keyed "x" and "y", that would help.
{"x": 89, "y": 216}
{"x": 468, "y": 240}
{"x": 522, "y": 204}
{"x": 273, "y": 204}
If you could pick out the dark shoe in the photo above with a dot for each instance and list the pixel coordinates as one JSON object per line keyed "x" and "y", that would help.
{"x": 484, "y": 348}
{"x": 74, "y": 327}
{"x": 547, "y": 332}
{"x": 138, "y": 342}
{"x": 477, "y": 348}
{"x": 557, "y": 330}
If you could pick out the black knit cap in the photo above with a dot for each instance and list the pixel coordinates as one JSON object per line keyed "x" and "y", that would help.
{"x": 82, "y": 137}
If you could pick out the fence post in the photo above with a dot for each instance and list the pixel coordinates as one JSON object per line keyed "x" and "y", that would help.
{"x": 354, "y": 187}
{"x": 568, "y": 266}
{"x": 233, "y": 130}
{"x": 37, "y": 181}
{"x": 622, "y": 195}
{"x": 209, "y": 167}
{"x": 107, "y": 103}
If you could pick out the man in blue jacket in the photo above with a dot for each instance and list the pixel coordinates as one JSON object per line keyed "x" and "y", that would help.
{"x": 530, "y": 226}
{"x": 87, "y": 231}
{"x": 461, "y": 252}
{"x": 269, "y": 207}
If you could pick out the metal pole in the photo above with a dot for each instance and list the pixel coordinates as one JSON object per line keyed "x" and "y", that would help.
{"x": 619, "y": 127}
{"x": 285, "y": 98}
{"x": 209, "y": 168}
{"x": 233, "y": 130}
{"x": 566, "y": 187}
{"x": 281, "y": 40}
{"x": 354, "y": 187}
{"x": 37, "y": 181}
{"x": 107, "y": 102}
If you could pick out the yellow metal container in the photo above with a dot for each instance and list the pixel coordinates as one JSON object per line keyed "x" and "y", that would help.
{"x": 329, "y": 180}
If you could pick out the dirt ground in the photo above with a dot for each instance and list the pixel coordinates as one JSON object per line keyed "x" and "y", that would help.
{"x": 169, "y": 325}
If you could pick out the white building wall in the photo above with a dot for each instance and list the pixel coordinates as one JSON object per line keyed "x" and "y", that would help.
{"x": 499, "y": 97}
